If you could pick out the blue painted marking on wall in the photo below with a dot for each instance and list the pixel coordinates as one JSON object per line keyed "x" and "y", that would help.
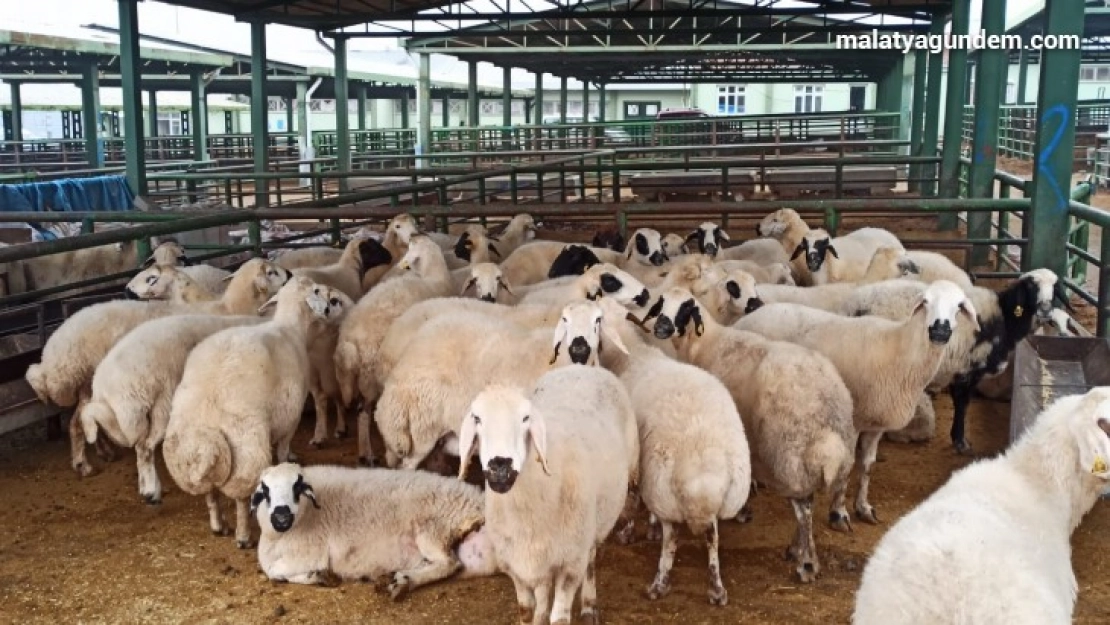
{"x": 1042, "y": 159}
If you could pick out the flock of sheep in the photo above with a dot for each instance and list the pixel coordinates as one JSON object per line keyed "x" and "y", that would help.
{"x": 672, "y": 373}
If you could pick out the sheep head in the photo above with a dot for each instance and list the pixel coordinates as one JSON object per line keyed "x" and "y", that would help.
{"x": 486, "y": 280}
{"x": 277, "y": 499}
{"x": 674, "y": 312}
{"x": 1090, "y": 424}
{"x": 777, "y": 223}
{"x": 266, "y": 277}
{"x": 155, "y": 282}
{"x": 168, "y": 252}
{"x": 419, "y": 255}
{"x": 943, "y": 302}
{"x": 816, "y": 244}
{"x": 504, "y": 425}
{"x": 674, "y": 245}
{"x": 605, "y": 280}
{"x": 371, "y": 253}
{"x": 580, "y": 328}
{"x": 742, "y": 292}
{"x": 647, "y": 245}
{"x": 573, "y": 260}
{"x": 709, "y": 237}
{"x": 403, "y": 227}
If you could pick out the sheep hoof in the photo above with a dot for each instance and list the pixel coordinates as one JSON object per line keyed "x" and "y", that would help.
{"x": 626, "y": 535}
{"x": 963, "y": 447}
{"x": 807, "y": 573}
{"x": 745, "y": 515}
{"x": 244, "y": 544}
{"x": 655, "y": 532}
{"x": 589, "y": 617}
{"x": 840, "y": 522}
{"x": 791, "y": 553}
{"x": 399, "y": 586}
{"x": 316, "y": 443}
{"x": 659, "y": 588}
{"x": 341, "y": 433}
{"x": 223, "y": 531}
{"x": 369, "y": 461}
{"x": 152, "y": 500}
{"x": 328, "y": 579}
{"x": 83, "y": 469}
{"x": 718, "y": 596}
{"x": 867, "y": 515}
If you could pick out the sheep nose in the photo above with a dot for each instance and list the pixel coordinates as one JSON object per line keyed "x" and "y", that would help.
{"x": 813, "y": 262}
{"x": 940, "y": 332}
{"x": 131, "y": 294}
{"x": 711, "y": 249}
{"x": 657, "y": 258}
{"x": 1044, "y": 309}
{"x": 281, "y": 518}
{"x": 664, "y": 328}
{"x": 500, "y": 474}
{"x": 579, "y": 351}
{"x": 754, "y": 304}
{"x": 641, "y": 300}
{"x": 487, "y": 298}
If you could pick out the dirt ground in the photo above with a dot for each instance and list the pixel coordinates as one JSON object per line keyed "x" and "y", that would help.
{"x": 87, "y": 550}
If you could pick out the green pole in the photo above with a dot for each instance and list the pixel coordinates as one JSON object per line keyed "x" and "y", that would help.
{"x": 17, "y": 112}
{"x": 506, "y": 96}
{"x": 990, "y": 84}
{"x": 917, "y": 122}
{"x": 563, "y": 100}
{"x": 130, "y": 66}
{"x": 259, "y": 112}
{"x": 953, "y": 115}
{"x": 1055, "y": 143}
{"x": 199, "y": 110}
{"x": 601, "y": 102}
{"x": 405, "y": 108}
{"x": 472, "y": 112}
{"x": 152, "y": 113}
{"x": 932, "y": 112}
{"x": 342, "y": 113}
{"x": 304, "y": 140}
{"x": 360, "y": 93}
{"x": 445, "y": 114}
{"x": 585, "y": 102}
{"x": 290, "y": 115}
{"x": 90, "y": 114}
{"x": 424, "y": 106}
{"x": 1023, "y": 75}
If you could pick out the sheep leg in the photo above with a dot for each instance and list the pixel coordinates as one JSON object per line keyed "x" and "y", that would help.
{"x": 340, "y": 420}
{"x": 105, "y": 450}
{"x": 525, "y": 600}
{"x": 589, "y": 614}
{"x": 717, "y": 593}
{"x": 150, "y": 489}
{"x": 78, "y": 459}
{"x": 654, "y": 533}
{"x": 627, "y": 532}
{"x": 215, "y": 514}
{"x": 866, "y": 453}
{"x": 745, "y": 515}
{"x": 808, "y": 567}
{"x": 320, "y": 434}
{"x": 662, "y": 584}
{"x": 284, "y": 454}
{"x": 960, "y": 390}
{"x": 838, "y": 509}
{"x": 312, "y": 578}
{"x": 365, "y": 450}
{"x": 243, "y": 524}
{"x": 566, "y": 587}
{"x": 542, "y": 614}
{"x": 439, "y": 563}
{"x": 420, "y": 451}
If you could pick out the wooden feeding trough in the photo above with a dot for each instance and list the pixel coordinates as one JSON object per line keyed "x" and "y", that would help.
{"x": 660, "y": 186}
{"x": 1047, "y": 368}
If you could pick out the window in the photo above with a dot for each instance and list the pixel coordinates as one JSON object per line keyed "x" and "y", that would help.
{"x": 1011, "y": 93}
{"x": 730, "y": 100}
{"x": 807, "y": 98}
{"x": 1102, "y": 73}
{"x": 1094, "y": 73}
{"x": 169, "y": 124}
{"x": 641, "y": 110}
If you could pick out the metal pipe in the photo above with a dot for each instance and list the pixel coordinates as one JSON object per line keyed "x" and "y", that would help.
{"x": 953, "y": 114}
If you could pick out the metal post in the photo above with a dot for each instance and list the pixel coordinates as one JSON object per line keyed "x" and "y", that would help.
{"x": 539, "y": 104}
{"x": 199, "y": 123}
{"x": 445, "y": 114}
{"x": 1056, "y": 99}
{"x": 472, "y": 111}
{"x": 17, "y": 112}
{"x": 259, "y": 112}
{"x": 990, "y": 85}
{"x": 360, "y": 93}
{"x": 507, "y": 96}
{"x": 953, "y": 115}
{"x": 130, "y": 66}
{"x": 152, "y": 113}
{"x": 424, "y": 109}
{"x": 90, "y": 114}
{"x": 917, "y": 122}
{"x": 405, "y": 108}
{"x": 563, "y": 100}
{"x": 1023, "y": 75}
{"x": 342, "y": 113}
{"x": 601, "y": 102}
{"x": 304, "y": 136}
{"x": 290, "y": 114}
{"x": 932, "y": 112}
{"x": 585, "y": 102}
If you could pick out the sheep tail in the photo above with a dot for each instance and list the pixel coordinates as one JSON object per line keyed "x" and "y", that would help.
{"x": 36, "y": 377}
{"x": 832, "y": 456}
{"x": 198, "y": 460}
{"x": 92, "y": 415}
{"x": 702, "y": 483}
{"x": 346, "y": 371}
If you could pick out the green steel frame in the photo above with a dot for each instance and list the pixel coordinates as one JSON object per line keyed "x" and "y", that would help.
{"x": 954, "y": 99}
{"x": 130, "y": 66}
{"x": 990, "y": 85}
{"x": 930, "y": 136}
{"x": 260, "y": 110}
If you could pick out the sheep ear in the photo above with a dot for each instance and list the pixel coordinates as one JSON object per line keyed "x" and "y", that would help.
{"x": 469, "y": 283}
{"x": 721, "y": 234}
{"x": 269, "y": 304}
{"x": 493, "y": 250}
{"x": 468, "y": 435}
{"x": 260, "y": 494}
{"x": 148, "y": 262}
{"x": 228, "y": 277}
{"x": 184, "y": 260}
{"x": 699, "y": 327}
{"x": 610, "y": 334}
{"x": 968, "y": 309}
{"x": 560, "y": 334}
{"x": 307, "y": 491}
{"x": 1094, "y": 442}
{"x": 918, "y": 305}
{"x": 692, "y": 235}
{"x": 798, "y": 251}
{"x": 832, "y": 250}
{"x": 505, "y": 285}
{"x": 537, "y": 433}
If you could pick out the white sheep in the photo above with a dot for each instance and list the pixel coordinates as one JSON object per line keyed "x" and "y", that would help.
{"x": 398, "y": 232}
{"x": 323, "y": 383}
{"x": 674, "y": 245}
{"x": 412, "y": 526}
{"x": 242, "y": 393}
{"x": 362, "y": 332}
{"x": 795, "y": 407}
{"x": 887, "y": 378}
{"x": 778, "y": 273}
{"x": 889, "y": 263}
{"x": 844, "y": 258}
{"x": 359, "y": 256}
{"x": 695, "y": 465}
{"x": 520, "y": 229}
{"x": 762, "y": 251}
{"x": 248, "y": 288}
{"x": 305, "y": 257}
{"x": 170, "y": 252}
{"x": 474, "y": 245}
{"x": 788, "y": 228}
{"x": 738, "y": 302}
{"x": 710, "y": 238}
{"x": 557, "y": 463}
{"x": 134, "y": 384}
{"x": 993, "y": 544}
{"x": 599, "y": 280}
{"x": 486, "y": 280}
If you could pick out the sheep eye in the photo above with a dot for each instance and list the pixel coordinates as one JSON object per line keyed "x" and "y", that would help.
{"x": 334, "y": 301}
{"x": 526, "y": 418}
{"x": 151, "y": 279}
{"x": 477, "y": 420}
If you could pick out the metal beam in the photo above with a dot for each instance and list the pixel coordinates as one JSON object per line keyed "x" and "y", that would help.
{"x": 199, "y": 110}
{"x": 929, "y": 137}
{"x": 472, "y": 110}
{"x": 342, "y": 113}
{"x": 953, "y": 114}
{"x": 152, "y": 112}
{"x": 506, "y": 96}
{"x": 990, "y": 85}
{"x": 90, "y": 115}
{"x": 259, "y": 112}
{"x": 1055, "y": 143}
{"x": 17, "y": 113}
{"x": 130, "y": 65}
{"x": 563, "y": 100}
{"x": 917, "y": 121}
{"x": 360, "y": 93}
{"x": 471, "y": 50}
{"x": 424, "y": 109}
{"x": 1023, "y": 74}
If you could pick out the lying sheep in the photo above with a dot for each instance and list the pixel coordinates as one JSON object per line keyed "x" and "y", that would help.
{"x": 359, "y": 256}
{"x": 844, "y": 258}
{"x": 412, "y": 526}
{"x": 135, "y": 382}
{"x": 887, "y": 378}
{"x": 557, "y": 463}
{"x": 487, "y": 281}
{"x": 788, "y": 228}
{"x": 248, "y": 288}
{"x": 795, "y": 407}
{"x": 242, "y": 393}
{"x": 889, "y": 263}
{"x": 993, "y": 544}
{"x": 695, "y": 465}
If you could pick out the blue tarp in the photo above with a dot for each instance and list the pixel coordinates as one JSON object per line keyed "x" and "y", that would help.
{"x": 100, "y": 193}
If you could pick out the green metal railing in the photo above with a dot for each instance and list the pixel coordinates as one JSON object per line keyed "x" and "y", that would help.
{"x": 1017, "y": 128}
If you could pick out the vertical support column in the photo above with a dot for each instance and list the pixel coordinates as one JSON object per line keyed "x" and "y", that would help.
{"x": 342, "y": 113}
{"x": 360, "y": 93}
{"x": 990, "y": 84}
{"x": 954, "y": 114}
{"x": 539, "y": 104}
{"x": 17, "y": 112}
{"x": 472, "y": 111}
{"x": 405, "y": 108}
{"x": 445, "y": 114}
{"x": 304, "y": 133}
{"x": 1023, "y": 75}
{"x": 90, "y": 114}
{"x": 259, "y": 111}
{"x": 1055, "y": 144}
{"x": 917, "y": 122}
{"x": 198, "y": 124}
{"x": 424, "y": 109}
{"x": 932, "y": 111}
{"x": 601, "y": 102}
{"x": 132, "y": 96}
{"x": 507, "y": 96}
{"x": 290, "y": 114}
{"x": 152, "y": 112}
{"x": 585, "y": 102}
{"x": 562, "y": 99}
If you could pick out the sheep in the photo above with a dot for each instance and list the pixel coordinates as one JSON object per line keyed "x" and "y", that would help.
{"x": 999, "y": 386}
{"x": 695, "y": 465}
{"x": 673, "y": 245}
{"x": 887, "y": 378}
{"x": 760, "y": 251}
{"x": 788, "y": 228}
{"x": 778, "y": 273}
{"x": 362, "y": 332}
{"x": 520, "y": 229}
{"x": 75, "y": 266}
{"x": 473, "y": 246}
{"x": 248, "y": 288}
{"x": 993, "y": 544}
{"x": 1005, "y": 317}
{"x": 643, "y": 255}
{"x": 535, "y": 261}
{"x": 242, "y": 392}
{"x": 359, "y": 256}
{"x": 170, "y": 252}
{"x": 322, "y": 382}
{"x": 792, "y": 401}
{"x": 487, "y": 280}
{"x": 844, "y": 258}
{"x": 134, "y": 383}
{"x": 710, "y": 238}
{"x": 557, "y": 463}
{"x": 414, "y": 527}
{"x": 598, "y": 280}
{"x": 398, "y": 232}
{"x": 828, "y": 297}
{"x": 889, "y": 263}
{"x": 611, "y": 239}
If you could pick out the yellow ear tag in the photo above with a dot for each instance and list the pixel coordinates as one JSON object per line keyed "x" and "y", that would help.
{"x": 1099, "y": 465}
{"x": 1018, "y": 311}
